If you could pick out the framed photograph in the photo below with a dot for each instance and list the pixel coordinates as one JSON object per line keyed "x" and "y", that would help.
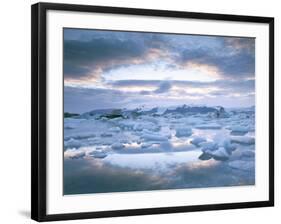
{"x": 140, "y": 111}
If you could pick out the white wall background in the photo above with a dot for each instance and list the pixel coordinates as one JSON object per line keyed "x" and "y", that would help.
{"x": 15, "y": 110}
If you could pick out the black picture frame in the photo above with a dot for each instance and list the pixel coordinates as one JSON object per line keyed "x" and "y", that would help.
{"x": 39, "y": 108}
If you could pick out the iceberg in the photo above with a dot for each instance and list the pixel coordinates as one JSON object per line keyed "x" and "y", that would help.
{"x": 72, "y": 143}
{"x": 216, "y": 150}
{"x": 219, "y": 113}
{"x": 146, "y": 145}
{"x": 197, "y": 140}
{"x": 146, "y": 125}
{"x": 115, "y": 129}
{"x": 208, "y": 126}
{"x": 220, "y": 154}
{"x": 239, "y": 130}
{"x": 229, "y": 146}
{"x": 74, "y": 154}
{"x": 208, "y": 146}
{"x": 154, "y": 137}
{"x": 205, "y": 156}
{"x": 126, "y": 124}
{"x": 98, "y": 154}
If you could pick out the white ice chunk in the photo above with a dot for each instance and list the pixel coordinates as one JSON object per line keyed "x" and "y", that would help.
{"x": 239, "y": 130}
{"x": 146, "y": 125}
{"x": 154, "y": 137}
{"x": 126, "y": 124}
{"x": 146, "y": 144}
{"x": 229, "y": 146}
{"x": 183, "y": 132}
{"x": 74, "y": 154}
{"x": 150, "y": 119}
{"x": 72, "y": 143}
{"x": 220, "y": 154}
{"x": 205, "y": 156}
{"x": 208, "y": 146}
{"x": 115, "y": 129}
{"x": 197, "y": 140}
{"x": 208, "y": 126}
{"x": 98, "y": 154}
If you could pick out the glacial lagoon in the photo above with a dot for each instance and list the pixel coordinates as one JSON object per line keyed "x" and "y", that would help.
{"x": 122, "y": 150}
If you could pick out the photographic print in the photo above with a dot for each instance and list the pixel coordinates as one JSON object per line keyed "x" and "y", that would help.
{"x": 157, "y": 111}
{"x": 130, "y": 106}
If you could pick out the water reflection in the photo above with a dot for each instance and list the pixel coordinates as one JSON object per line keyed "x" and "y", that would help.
{"x": 149, "y": 171}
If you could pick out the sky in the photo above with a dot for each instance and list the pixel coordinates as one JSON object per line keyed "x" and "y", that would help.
{"x": 119, "y": 69}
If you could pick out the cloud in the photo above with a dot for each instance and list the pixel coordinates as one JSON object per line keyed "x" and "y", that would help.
{"x": 163, "y": 87}
{"x": 95, "y": 176}
{"x": 80, "y": 100}
{"x": 86, "y": 58}
{"x": 236, "y": 60}
{"x": 240, "y": 44}
{"x": 108, "y": 64}
{"x": 90, "y": 55}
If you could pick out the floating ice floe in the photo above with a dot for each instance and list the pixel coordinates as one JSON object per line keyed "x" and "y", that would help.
{"x": 74, "y": 154}
{"x": 146, "y": 144}
{"x": 154, "y": 137}
{"x": 183, "y": 132}
{"x": 239, "y": 130}
{"x": 146, "y": 125}
{"x": 72, "y": 143}
{"x": 243, "y": 140}
{"x": 220, "y": 154}
{"x": 98, "y": 154}
{"x": 79, "y": 136}
{"x": 150, "y": 119}
{"x": 126, "y": 124}
{"x": 228, "y": 145}
{"x": 197, "y": 140}
{"x": 218, "y": 151}
{"x": 205, "y": 156}
{"x": 115, "y": 129}
{"x": 208, "y": 146}
{"x": 208, "y": 126}
{"x": 219, "y": 113}
{"x": 193, "y": 120}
